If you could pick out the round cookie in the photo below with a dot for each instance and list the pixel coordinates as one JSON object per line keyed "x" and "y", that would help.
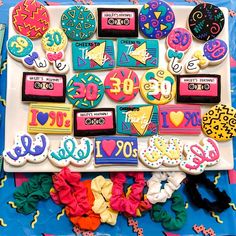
{"x": 121, "y": 84}
{"x": 30, "y": 18}
{"x": 78, "y": 23}
{"x": 156, "y": 19}
{"x": 215, "y": 51}
{"x": 158, "y": 86}
{"x": 85, "y": 90}
{"x": 206, "y": 21}
{"x": 219, "y": 122}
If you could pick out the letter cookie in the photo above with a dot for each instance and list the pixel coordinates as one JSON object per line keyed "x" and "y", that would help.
{"x": 219, "y": 122}
{"x": 70, "y": 152}
{"x": 158, "y": 86}
{"x": 27, "y": 149}
{"x": 21, "y": 48}
{"x": 162, "y": 151}
{"x": 199, "y": 156}
{"x": 54, "y": 42}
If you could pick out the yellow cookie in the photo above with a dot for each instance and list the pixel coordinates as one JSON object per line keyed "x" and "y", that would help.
{"x": 219, "y": 122}
{"x": 158, "y": 86}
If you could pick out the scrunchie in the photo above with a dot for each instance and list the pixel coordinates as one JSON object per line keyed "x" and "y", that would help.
{"x": 156, "y": 193}
{"x": 30, "y": 193}
{"x": 118, "y": 201}
{"x": 168, "y": 222}
{"x": 102, "y": 189}
{"x": 69, "y": 190}
{"x": 222, "y": 202}
{"x": 88, "y": 221}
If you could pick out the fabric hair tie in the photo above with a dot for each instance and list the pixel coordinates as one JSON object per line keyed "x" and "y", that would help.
{"x": 219, "y": 205}
{"x": 168, "y": 222}
{"x": 156, "y": 193}
{"x": 30, "y": 193}
{"x": 102, "y": 189}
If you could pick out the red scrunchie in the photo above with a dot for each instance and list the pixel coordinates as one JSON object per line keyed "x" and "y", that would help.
{"x": 119, "y": 201}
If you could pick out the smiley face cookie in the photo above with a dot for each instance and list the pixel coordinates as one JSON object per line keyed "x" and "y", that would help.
{"x": 158, "y": 86}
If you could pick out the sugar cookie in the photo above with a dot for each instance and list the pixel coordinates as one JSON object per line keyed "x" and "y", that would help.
{"x": 70, "y": 152}
{"x": 156, "y": 19}
{"x": 85, "y": 90}
{"x": 30, "y": 18}
{"x": 199, "y": 156}
{"x": 219, "y": 122}
{"x": 158, "y": 86}
{"x": 121, "y": 84}
{"x": 26, "y": 149}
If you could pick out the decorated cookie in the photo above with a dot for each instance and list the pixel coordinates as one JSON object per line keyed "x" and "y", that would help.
{"x": 93, "y": 55}
{"x": 137, "y": 120}
{"x": 50, "y": 118}
{"x": 178, "y": 42}
{"x": 162, "y": 151}
{"x": 121, "y": 84}
{"x": 139, "y": 53}
{"x": 78, "y": 23}
{"x": 54, "y": 42}
{"x": 179, "y": 119}
{"x": 26, "y": 149}
{"x": 156, "y": 19}
{"x": 30, "y": 18}
{"x": 21, "y": 48}
{"x": 117, "y": 22}
{"x": 70, "y": 152}
{"x": 43, "y": 87}
{"x": 206, "y": 21}
{"x": 219, "y": 122}
{"x": 200, "y": 88}
{"x": 85, "y": 90}
{"x": 199, "y": 156}
{"x": 94, "y": 122}
{"x": 110, "y": 150}
{"x": 157, "y": 86}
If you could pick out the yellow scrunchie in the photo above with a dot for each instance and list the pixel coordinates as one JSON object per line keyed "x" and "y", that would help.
{"x": 102, "y": 191}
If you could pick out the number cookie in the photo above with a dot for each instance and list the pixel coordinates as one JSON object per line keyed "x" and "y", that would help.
{"x": 121, "y": 85}
{"x": 85, "y": 90}
{"x": 158, "y": 86}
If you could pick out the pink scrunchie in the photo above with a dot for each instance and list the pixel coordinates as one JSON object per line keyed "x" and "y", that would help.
{"x": 68, "y": 190}
{"x": 119, "y": 201}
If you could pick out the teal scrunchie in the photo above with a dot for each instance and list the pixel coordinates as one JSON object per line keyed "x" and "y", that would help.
{"x": 168, "y": 222}
{"x": 30, "y": 193}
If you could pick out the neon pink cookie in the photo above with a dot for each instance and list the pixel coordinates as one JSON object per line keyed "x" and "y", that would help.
{"x": 121, "y": 85}
{"x": 30, "y": 18}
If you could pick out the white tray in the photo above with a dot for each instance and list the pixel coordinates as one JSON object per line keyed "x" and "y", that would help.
{"x": 17, "y": 112}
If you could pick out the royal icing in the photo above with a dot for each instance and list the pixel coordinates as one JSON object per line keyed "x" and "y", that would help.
{"x": 219, "y": 122}
{"x": 70, "y": 152}
{"x": 85, "y": 90}
{"x": 30, "y": 18}
{"x": 206, "y": 21}
{"x": 179, "y": 119}
{"x": 27, "y": 148}
{"x": 162, "y": 151}
{"x": 156, "y": 19}
{"x": 21, "y": 48}
{"x": 157, "y": 86}
{"x": 199, "y": 156}
{"x": 78, "y": 23}
{"x": 121, "y": 84}
{"x": 50, "y": 118}
{"x": 140, "y": 53}
{"x": 137, "y": 120}
{"x": 93, "y": 55}
{"x": 116, "y": 150}
{"x": 43, "y": 87}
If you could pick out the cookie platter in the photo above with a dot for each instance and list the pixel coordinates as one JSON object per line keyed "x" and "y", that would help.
{"x": 17, "y": 112}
